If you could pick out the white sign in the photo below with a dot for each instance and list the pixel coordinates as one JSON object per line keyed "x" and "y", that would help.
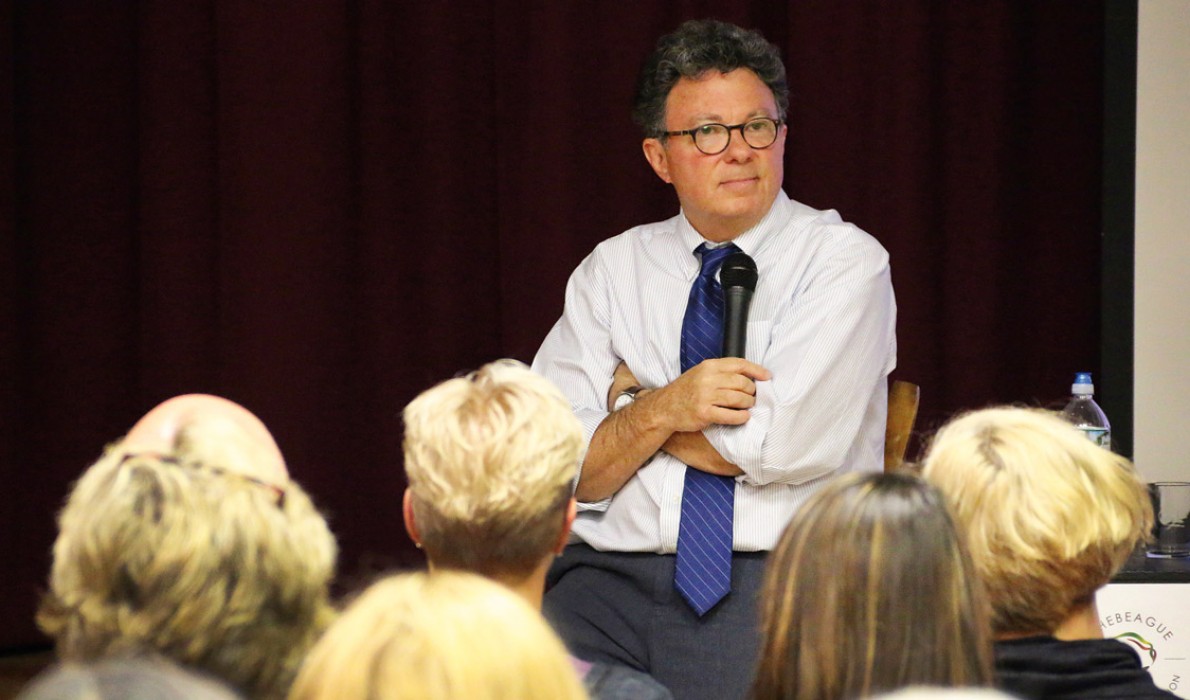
{"x": 1153, "y": 619}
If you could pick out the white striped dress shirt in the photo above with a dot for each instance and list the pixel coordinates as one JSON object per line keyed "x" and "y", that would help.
{"x": 823, "y": 321}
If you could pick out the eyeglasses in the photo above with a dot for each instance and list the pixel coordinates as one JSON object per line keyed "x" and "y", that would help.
{"x": 277, "y": 491}
{"x": 713, "y": 139}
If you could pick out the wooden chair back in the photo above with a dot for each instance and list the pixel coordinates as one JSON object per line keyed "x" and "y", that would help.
{"x": 903, "y": 398}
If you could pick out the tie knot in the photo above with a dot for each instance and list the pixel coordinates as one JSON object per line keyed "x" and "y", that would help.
{"x": 712, "y": 258}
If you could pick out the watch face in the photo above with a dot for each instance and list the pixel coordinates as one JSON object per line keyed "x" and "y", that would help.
{"x": 622, "y": 400}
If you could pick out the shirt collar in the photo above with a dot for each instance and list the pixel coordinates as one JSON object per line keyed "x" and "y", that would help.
{"x": 749, "y": 241}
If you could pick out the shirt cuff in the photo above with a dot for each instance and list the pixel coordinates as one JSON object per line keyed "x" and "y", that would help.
{"x": 741, "y": 445}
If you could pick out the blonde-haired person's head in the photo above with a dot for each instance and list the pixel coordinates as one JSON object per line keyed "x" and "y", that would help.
{"x": 923, "y": 692}
{"x": 491, "y": 458}
{"x": 1049, "y": 515}
{"x": 184, "y": 554}
{"x": 870, "y": 589}
{"x": 438, "y": 637}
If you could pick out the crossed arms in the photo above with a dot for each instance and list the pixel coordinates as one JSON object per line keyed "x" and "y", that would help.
{"x": 671, "y": 419}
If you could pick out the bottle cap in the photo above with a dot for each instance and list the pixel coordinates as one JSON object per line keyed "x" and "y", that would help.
{"x": 1082, "y": 384}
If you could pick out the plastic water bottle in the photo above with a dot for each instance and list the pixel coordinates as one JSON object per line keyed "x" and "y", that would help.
{"x": 1085, "y": 414}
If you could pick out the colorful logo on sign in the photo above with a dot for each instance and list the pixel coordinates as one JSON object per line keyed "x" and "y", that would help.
{"x": 1143, "y": 647}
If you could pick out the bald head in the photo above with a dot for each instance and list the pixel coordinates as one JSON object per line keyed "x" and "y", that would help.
{"x": 187, "y": 539}
{"x": 210, "y": 429}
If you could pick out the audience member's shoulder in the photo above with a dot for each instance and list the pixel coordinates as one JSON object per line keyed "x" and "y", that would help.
{"x": 610, "y": 682}
{"x": 1045, "y": 668}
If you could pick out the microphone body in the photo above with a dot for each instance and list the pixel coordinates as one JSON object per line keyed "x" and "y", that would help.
{"x": 738, "y": 278}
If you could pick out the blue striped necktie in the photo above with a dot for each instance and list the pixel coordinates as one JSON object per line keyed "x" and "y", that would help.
{"x": 702, "y": 573}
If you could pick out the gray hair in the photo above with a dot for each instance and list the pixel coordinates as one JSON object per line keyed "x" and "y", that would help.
{"x": 151, "y": 678}
{"x": 696, "y": 47}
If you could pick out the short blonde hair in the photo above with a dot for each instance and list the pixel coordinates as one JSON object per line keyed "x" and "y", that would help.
{"x": 922, "y": 692}
{"x": 438, "y": 637}
{"x": 186, "y": 557}
{"x": 1049, "y": 515}
{"x": 491, "y": 459}
{"x": 869, "y": 589}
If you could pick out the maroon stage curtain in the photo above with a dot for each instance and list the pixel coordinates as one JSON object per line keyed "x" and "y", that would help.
{"x": 320, "y": 209}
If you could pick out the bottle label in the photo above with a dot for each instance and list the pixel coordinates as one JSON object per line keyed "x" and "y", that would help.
{"x": 1099, "y": 436}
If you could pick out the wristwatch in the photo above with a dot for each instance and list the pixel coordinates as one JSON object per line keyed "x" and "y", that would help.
{"x": 626, "y": 397}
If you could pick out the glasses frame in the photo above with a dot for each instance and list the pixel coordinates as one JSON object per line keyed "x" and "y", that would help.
{"x": 277, "y": 491}
{"x": 777, "y": 124}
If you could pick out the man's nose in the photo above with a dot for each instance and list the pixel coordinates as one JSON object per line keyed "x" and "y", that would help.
{"x": 738, "y": 149}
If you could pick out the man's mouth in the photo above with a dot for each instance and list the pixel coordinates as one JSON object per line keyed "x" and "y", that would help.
{"x": 739, "y": 182}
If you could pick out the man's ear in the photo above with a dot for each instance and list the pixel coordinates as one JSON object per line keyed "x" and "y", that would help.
{"x": 410, "y": 521}
{"x": 657, "y": 156}
{"x": 567, "y": 523}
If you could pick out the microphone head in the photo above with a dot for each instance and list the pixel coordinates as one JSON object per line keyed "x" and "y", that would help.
{"x": 738, "y": 270}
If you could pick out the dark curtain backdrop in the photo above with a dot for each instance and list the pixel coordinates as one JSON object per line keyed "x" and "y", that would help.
{"x": 319, "y": 209}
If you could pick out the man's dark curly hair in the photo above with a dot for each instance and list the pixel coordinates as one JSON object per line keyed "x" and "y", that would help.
{"x": 696, "y": 47}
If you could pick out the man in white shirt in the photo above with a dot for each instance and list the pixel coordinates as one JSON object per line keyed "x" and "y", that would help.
{"x": 806, "y": 404}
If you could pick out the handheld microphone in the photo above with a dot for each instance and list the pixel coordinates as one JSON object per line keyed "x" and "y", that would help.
{"x": 738, "y": 278}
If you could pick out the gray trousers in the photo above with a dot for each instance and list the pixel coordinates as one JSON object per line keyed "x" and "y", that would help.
{"x": 622, "y": 608}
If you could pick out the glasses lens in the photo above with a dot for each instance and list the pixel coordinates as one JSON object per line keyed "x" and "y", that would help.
{"x": 711, "y": 138}
{"x": 760, "y": 133}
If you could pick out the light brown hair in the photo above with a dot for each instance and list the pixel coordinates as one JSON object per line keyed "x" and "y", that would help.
{"x": 871, "y": 589}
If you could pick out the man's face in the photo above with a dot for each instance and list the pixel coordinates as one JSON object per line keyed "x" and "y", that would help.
{"x": 725, "y": 194}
